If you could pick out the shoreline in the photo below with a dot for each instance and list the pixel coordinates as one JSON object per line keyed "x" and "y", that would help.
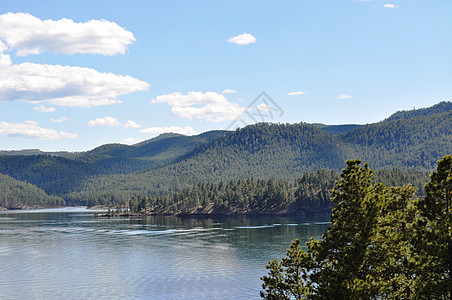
{"x": 37, "y": 208}
{"x": 103, "y": 212}
{"x": 206, "y": 215}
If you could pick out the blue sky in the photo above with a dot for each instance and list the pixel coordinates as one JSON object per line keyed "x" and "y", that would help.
{"x": 78, "y": 74}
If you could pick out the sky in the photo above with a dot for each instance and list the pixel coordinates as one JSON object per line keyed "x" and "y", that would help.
{"x": 79, "y": 74}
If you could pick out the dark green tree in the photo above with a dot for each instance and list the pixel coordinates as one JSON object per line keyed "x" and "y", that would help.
{"x": 382, "y": 244}
{"x": 435, "y": 234}
{"x": 340, "y": 255}
{"x": 389, "y": 259}
{"x": 289, "y": 278}
{"x": 330, "y": 268}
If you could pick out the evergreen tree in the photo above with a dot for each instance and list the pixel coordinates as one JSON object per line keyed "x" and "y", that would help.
{"x": 340, "y": 255}
{"x": 288, "y": 279}
{"x": 382, "y": 244}
{"x": 435, "y": 242}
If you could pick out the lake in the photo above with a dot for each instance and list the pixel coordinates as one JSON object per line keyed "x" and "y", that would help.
{"x": 70, "y": 254}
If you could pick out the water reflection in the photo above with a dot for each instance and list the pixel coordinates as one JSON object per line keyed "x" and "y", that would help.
{"x": 72, "y": 254}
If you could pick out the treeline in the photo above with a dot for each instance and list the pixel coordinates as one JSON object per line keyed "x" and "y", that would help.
{"x": 113, "y": 173}
{"x": 403, "y": 143}
{"x": 441, "y": 107}
{"x": 286, "y": 152}
{"x": 71, "y": 175}
{"x": 15, "y": 194}
{"x": 307, "y": 195}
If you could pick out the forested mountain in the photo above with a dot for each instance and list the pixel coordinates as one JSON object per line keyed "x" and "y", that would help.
{"x": 18, "y": 194}
{"x": 60, "y": 175}
{"x": 153, "y": 152}
{"x": 33, "y": 152}
{"x": 445, "y": 106}
{"x": 337, "y": 129}
{"x": 55, "y": 175}
{"x": 114, "y": 173}
{"x": 415, "y": 142}
{"x": 307, "y": 195}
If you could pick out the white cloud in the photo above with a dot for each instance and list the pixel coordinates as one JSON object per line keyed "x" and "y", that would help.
{"x": 210, "y": 106}
{"x": 60, "y": 120}
{"x": 229, "y": 91}
{"x": 106, "y": 121}
{"x": 43, "y": 108}
{"x": 131, "y": 124}
{"x": 56, "y": 84}
{"x": 265, "y": 107}
{"x": 63, "y": 85}
{"x": 242, "y": 39}
{"x": 296, "y": 93}
{"x": 344, "y": 96}
{"x": 30, "y": 35}
{"x": 31, "y": 130}
{"x": 112, "y": 122}
{"x": 3, "y": 47}
{"x": 172, "y": 129}
{"x": 390, "y": 6}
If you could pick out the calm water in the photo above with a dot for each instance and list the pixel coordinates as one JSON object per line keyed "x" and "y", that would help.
{"x": 69, "y": 254}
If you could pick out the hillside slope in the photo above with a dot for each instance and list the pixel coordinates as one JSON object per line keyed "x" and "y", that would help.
{"x": 416, "y": 142}
{"x": 60, "y": 175}
{"x": 18, "y": 194}
{"x": 115, "y": 172}
{"x": 287, "y": 151}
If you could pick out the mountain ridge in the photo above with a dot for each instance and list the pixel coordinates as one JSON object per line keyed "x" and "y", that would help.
{"x": 262, "y": 150}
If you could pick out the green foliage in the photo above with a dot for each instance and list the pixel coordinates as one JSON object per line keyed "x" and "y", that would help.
{"x": 114, "y": 173}
{"x": 382, "y": 244}
{"x": 403, "y": 143}
{"x": 409, "y": 114}
{"x": 64, "y": 175}
{"x": 337, "y": 129}
{"x": 307, "y": 195}
{"x": 288, "y": 279}
{"x": 16, "y": 194}
{"x": 340, "y": 255}
{"x": 435, "y": 233}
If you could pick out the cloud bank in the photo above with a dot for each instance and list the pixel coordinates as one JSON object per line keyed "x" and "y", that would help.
{"x": 63, "y": 85}
{"x": 105, "y": 121}
{"x": 208, "y": 106}
{"x": 30, "y": 35}
{"x": 112, "y": 122}
{"x": 31, "y": 130}
{"x": 57, "y": 84}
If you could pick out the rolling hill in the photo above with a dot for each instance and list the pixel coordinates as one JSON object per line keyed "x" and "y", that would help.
{"x": 115, "y": 172}
{"x": 16, "y": 194}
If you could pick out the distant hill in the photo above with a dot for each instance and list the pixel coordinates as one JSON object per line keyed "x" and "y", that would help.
{"x": 18, "y": 194}
{"x": 60, "y": 175}
{"x": 33, "y": 152}
{"x": 442, "y": 107}
{"x": 416, "y": 142}
{"x": 337, "y": 129}
{"x": 114, "y": 172}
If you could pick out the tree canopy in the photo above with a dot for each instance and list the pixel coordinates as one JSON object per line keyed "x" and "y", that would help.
{"x": 382, "y": 244}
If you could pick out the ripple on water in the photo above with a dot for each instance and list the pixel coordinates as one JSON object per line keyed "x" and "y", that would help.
{"x": 74, "y": 255}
